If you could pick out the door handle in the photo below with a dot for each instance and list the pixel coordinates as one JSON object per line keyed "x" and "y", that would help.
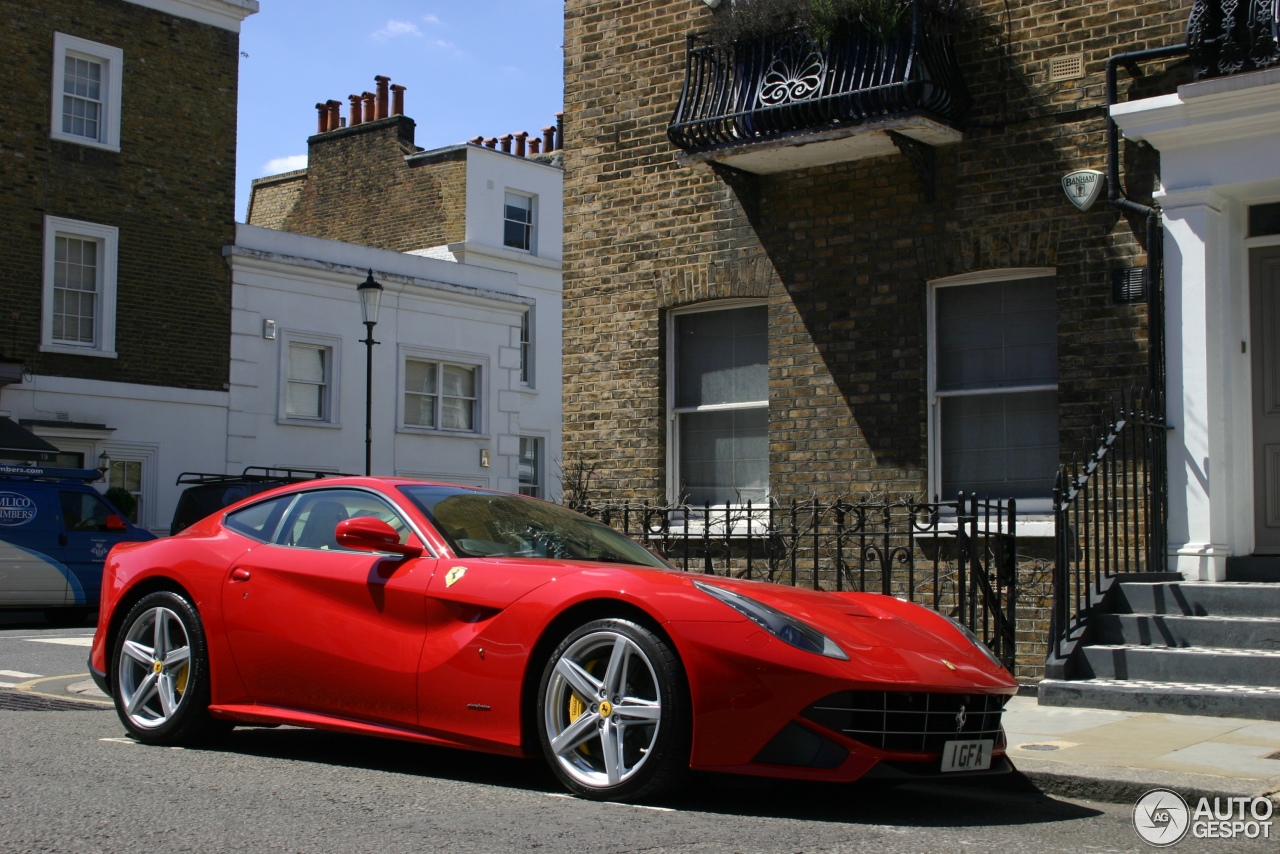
{"x": 238, "y": 574}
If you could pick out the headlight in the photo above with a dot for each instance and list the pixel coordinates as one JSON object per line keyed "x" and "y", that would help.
{"x": 784, "y": 628}
{"x": 976, "y": 641}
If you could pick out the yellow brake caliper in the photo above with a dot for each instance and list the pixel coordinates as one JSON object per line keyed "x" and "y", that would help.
{"x": 578, "y": 706}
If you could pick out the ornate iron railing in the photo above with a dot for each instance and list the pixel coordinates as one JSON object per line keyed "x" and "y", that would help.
{"x": 958, "y": 558}
{"x": 1231, "y": 36}
{"x": 753, "y": 90}
{"x": 1110, "y": 512}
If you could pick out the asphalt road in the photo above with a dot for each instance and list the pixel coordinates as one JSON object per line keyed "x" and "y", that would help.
{"x": 72, "y": 782}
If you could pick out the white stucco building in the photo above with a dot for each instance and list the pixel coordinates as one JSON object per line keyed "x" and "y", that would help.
{"x": 1220, "y": 200}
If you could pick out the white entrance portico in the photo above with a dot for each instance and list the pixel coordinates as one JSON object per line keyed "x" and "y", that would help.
{"x": 1219, "y": 141}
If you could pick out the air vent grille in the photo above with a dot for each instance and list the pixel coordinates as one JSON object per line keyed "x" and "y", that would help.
{"x": 1066, "y": 68}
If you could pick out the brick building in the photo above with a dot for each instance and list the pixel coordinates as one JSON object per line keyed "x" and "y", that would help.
{"x": 466, "y": 241}
{"x": 900, "y": 303}
{"x": 117, "y": 157}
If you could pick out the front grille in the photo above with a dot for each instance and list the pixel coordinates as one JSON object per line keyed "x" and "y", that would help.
{"x": 909, "y": 722}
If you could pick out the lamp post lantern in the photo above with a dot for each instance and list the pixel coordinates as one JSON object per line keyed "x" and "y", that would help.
{"x": 370, "y": 301}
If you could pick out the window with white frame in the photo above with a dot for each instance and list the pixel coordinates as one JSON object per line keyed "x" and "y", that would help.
{"x": 531, "y": 466}
{"x": 441, "y": 395}
{"x": 86, "y": 92}
{"x": 526, "y": 348}
{"x": 719, "y": 404}
{"x": 994, "y": 387}
{"x": 79, "y": 305}
{"x": 517, "y": 221}
{"x": 127, "y": 475}
{"x": 307, "y": 389}
{"x": 309, "y": 378}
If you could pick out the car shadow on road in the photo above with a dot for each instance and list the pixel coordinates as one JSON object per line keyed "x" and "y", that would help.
{"x": 1010, "y": 800}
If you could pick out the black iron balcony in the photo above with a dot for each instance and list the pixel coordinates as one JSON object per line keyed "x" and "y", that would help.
{"x": 1232, "y": 36}
{"x": 793, "y": 89}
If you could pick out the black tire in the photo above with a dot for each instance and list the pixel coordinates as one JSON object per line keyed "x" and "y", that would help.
{"x": 614, "y": 689}
{"x": 160, "y": 673}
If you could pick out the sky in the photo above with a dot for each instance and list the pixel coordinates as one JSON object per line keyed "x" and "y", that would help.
{"x": 471, "y": 68}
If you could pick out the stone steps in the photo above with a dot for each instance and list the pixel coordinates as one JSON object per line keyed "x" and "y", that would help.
{"x": 1178, "y": 698}
{"x": 1180, "y": 647}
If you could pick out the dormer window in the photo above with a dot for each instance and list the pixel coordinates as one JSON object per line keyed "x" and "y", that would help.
{"x": 517, "y": 226}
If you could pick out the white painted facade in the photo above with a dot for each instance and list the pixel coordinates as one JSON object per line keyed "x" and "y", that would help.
{"x": 167, "y": 430}
{"x": 302, "y": 290}
{"x": 1218, "y": 141}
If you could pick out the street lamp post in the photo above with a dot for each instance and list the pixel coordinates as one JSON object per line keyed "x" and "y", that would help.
{"x": 370, "y": 301}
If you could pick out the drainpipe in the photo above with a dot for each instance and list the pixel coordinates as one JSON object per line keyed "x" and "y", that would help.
{"x": 1155, "y": 236}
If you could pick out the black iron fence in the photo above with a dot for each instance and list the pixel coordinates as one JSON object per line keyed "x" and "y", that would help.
{"x": 1230, "y": 36}
{"x": 793, "y": 80}
{"x": 1110, "y": 511}
{"x": 958, "y": 558}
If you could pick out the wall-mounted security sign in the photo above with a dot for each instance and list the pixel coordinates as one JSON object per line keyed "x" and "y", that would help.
{"x": 1083, "y": 187}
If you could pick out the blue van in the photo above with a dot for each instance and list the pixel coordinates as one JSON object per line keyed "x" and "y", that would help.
{"x": 55, "y": 532}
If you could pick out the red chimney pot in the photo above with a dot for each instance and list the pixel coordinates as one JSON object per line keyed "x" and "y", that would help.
{"x": 382, "y": 95}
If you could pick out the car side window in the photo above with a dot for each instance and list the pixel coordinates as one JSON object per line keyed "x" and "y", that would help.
{"x": 314, "y": 517}
{"x": 260, "y": 520}
{"x": 84, "y": 511}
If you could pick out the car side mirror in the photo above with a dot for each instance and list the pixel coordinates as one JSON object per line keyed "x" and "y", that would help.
{"x": 116, "y": 524}
{"x": 367, "y": 534}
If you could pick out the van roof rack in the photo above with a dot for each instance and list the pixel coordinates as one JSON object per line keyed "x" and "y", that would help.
{"x": 48, "y": 473}
{"x": 255, "y": 474}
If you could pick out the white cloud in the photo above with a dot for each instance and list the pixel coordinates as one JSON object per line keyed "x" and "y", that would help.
{"x": 431, "y": 19}
{"x": 285, "y": 164}
{"x": 396, "y": 29}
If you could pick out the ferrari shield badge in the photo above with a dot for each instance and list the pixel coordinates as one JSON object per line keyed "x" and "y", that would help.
{"x": 454, "y": 574}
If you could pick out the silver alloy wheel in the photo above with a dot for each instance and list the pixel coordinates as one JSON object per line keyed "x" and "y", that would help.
{"x": 154, "y": 668}
{"x": 602, "y": 728}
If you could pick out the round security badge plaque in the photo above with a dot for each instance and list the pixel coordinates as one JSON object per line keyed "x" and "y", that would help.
{"x": 1161, "y": 817}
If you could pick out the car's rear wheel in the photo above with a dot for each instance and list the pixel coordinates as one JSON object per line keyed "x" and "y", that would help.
{"x": 161, "y": 673}
{"x": 613, "y": 712}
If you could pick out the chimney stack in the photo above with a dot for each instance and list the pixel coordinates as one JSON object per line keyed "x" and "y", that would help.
{"x": 397, "y": 99}
{"x": 322, "y": 118}
{"x": 355, "y": 113}
{"x": 335, "y": 119}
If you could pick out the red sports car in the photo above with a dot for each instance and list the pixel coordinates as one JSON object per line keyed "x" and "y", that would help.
{"x": 480, "y": 620}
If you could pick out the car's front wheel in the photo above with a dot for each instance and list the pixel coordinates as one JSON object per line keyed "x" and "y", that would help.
{"x": 613, "y": 712}
{"x": 161, "y": 673}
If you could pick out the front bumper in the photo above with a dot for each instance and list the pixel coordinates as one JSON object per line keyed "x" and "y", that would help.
{"x": 100, "y": 679}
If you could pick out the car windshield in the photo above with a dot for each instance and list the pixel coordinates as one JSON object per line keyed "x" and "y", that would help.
{"x": 494, "y": 524}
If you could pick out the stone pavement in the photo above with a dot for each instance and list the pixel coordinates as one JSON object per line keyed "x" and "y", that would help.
{"x": 1118, "y": 756}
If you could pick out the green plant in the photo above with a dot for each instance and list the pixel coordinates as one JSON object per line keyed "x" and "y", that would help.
{"x": 123, "y": 500}
{"x": 752, "y": 19}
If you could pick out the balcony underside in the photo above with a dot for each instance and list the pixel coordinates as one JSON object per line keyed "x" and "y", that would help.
{"x": 806, "y": 149}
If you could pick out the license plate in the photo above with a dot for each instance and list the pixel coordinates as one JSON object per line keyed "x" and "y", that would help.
{"x": 967, "y": 755}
